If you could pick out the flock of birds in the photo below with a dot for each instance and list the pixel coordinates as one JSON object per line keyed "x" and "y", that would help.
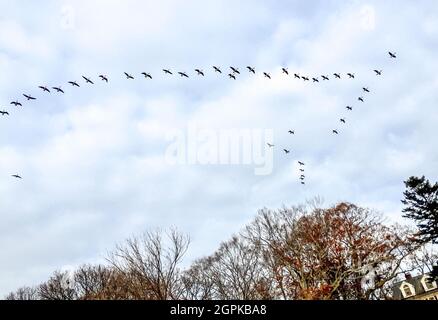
{"x": 233, "y": 74}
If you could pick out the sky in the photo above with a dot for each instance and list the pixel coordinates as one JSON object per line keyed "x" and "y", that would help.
{"x": 97, "y": 162}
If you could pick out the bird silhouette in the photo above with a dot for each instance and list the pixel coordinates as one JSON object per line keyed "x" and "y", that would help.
{"x": 232, "y": 76}
{"x": 17, "y": 176}
{"x": 301, "y": 163}
{"x": 303, "y": 183}
{"x": 315, "y": 79}
{"x": 58, "y": 89}
{"x": 87, "y": 80}
{"x": 104, "y": 78}
{"x": 305, "y": 78}
{"x": 342, "y": 120}
{"x": 267, "y": 75}
{"x": 200, "y": 72}
{"x": 349, "y": 108}
{"x": 44, "y": 89}
{"x": 360, "y": 99}
{"x": 378, "y": 72}
{"x": 4, "y": 113}
{"x": 235, "y": 70}
{"x": 146, "y": 75}
{"x": 16, "y": 103}
{"x": 128, "y": 76}
{"x": 325, "y": 78}
{"x": 167, "y": 71}
{"x": 297, "y": 76}
{"x": 286, "y": 151}
{"x": 183, "y": 74}
{"x": 270, "y": 145}
{"x": 250, "y": 69}
{"x": 74, "y": 84}
{"x": 392, "y": 54}
{"x": 335, "y": 132}
{"x": 337, "y": 75}
{"x": 28, "y": 97}
{"x": 285, "y": 71}
{"x": 351, "y": 75}
{"x": 291, "y": 132}
{"x": 366, "y": 90}
{"x": 302, "y": 170}
{"x": 216, "y": 69}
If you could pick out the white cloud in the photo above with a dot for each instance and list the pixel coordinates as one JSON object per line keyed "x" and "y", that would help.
{"x": 93, "y": 159}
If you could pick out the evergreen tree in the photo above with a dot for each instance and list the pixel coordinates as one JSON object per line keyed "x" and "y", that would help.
{"x": 421, "y": 201}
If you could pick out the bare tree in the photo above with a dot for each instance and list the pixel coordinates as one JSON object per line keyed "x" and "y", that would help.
{"x": 149, "y": 267}
{"x": 232, "y": 272}
{"x": 93, "y": 282}
{"x": 24, "y": 293}
{"x": 58, "y": 287}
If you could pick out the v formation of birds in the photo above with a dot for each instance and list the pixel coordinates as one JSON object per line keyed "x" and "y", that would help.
{"x": 233, "y": 75}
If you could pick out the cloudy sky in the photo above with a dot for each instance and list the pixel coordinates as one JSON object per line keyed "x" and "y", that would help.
{"x": 93, "y": 159}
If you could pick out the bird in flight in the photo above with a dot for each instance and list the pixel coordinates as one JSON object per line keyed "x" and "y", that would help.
{"x": 392, "y": 54}
{"x": 235, "y": 70}
{"x": 303, "y": 183}
{"x": 104, "y": 78}
{"x": 232, "y": 76}
{"x": 305, "y": 78}
{"x": 44, "y": 89}
{"x": 16, "y": 103}
{"x": 58, "y": 89}
{"x": 267, "y": 75}
{"x": 301, "y": 163}
{"x": 250, "y": 69}
{"x": 200, "y": 72}
{"x": 285, "y": 71}
{"x": 87, "y": 80}
{"x": 335, "y": 132}
{"x": 378, "y": 72}
{"x": 315, "y": 79}
{"x": 270, "y": 145}
{"x": 74, "y": 84}
{"x": 167, "y": 71}
{"x": 291, "y": 132}
{"x": 360, "y": 99}
{"x": 342, "y": 120}
{"x": 302, "y": 170}
{"x": 302, "y": 177}
{"x": 366, "y": 90}
{"x": 216, "y": 69}
{"x": 349, "y": 108}
{"x": 4, "y": 113}
{"x": 128, "y": 76}
{"x": 337, "y": 75}
{"x": 146, "y": 75}
{"x": 325, "y": 78}
{"x": 28, "y": 97}
{"x": 297, "y": 76}
{"x": 183, "y": 74}
{"x": 16, "y": 176}
{"x": 286, "y": 151}
{"x": 351, "y": 75}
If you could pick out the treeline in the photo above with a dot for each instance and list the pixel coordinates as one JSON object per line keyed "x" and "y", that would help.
{"x": 303, "y": 252}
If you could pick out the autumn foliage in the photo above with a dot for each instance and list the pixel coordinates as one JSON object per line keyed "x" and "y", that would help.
{"x": 306, "y": 252}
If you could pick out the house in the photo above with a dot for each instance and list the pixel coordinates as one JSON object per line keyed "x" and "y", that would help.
{"x": 415, "y": 288}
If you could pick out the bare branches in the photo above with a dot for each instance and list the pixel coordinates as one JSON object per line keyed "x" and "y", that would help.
{"x": 305, "y": 252}
{"x": 151, "y": 267}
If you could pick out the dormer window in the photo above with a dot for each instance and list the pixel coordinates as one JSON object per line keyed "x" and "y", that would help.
{"x": 427, "y": 284}
{"x": 407, "y": 290}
